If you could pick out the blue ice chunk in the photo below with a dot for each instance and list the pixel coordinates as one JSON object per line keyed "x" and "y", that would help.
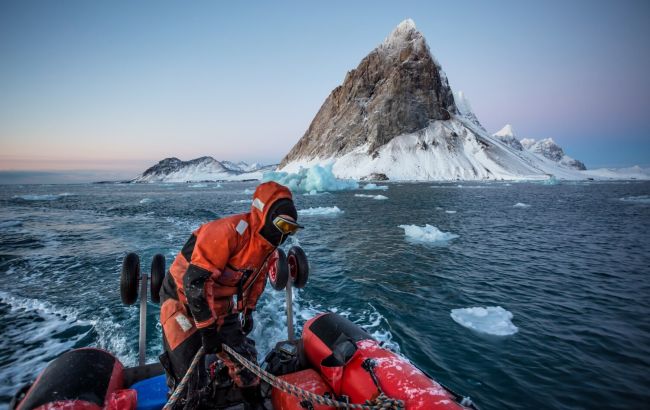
{"x": 315, "y": 179}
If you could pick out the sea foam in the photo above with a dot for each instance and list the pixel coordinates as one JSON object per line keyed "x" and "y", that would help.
{"x": 426, "y": 234}
{"x": 493, "y": 320}
{"x": 641, "y": 199}
{"x": 45, "y": 197}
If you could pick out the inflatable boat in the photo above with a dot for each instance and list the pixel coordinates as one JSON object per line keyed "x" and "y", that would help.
{"x": 335, "y": 364}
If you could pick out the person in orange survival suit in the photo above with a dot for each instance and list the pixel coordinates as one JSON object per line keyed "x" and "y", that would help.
{"x": 223, "y": 259}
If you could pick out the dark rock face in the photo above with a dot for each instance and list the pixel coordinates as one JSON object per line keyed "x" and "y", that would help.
{"x": 398, "y": 88}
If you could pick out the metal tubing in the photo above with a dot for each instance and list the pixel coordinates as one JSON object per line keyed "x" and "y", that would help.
{"x": 142, "y": 345}
{"x": 289, "y": 301}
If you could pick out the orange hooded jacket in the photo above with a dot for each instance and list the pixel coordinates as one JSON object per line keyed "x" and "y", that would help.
{"x": 208, "y": 271}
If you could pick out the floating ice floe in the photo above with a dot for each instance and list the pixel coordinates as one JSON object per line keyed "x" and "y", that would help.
{"x": 145, "y": 200}
{"x": 321, "y": 210}
{"x": 450, "y": 212}
{"x": 46, "y": 197}
{"x": 521, "y": 205}
{"x": 641, "y": 199}
{"x": 317, "y": 178}
{"x": 199, "y": 186}
{"x": 426, "y": 234}
{"x": 371, "y": 196}
{"x": 375, "y": 186}
{"x": 493, "y": 320}
{"x": 242, "y": 201}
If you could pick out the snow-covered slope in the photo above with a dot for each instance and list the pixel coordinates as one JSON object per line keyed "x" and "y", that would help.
{"x": 201, "y": 169}
{"x": 412, "y": 129}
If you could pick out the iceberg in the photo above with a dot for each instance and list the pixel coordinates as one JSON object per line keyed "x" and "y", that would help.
{"x": 521, "y": 205}
{"x": 426, "y": 234}
{"x": 321, "y": 210}
{"x": 493, "y": 320}
{"x": 316, "y": 178}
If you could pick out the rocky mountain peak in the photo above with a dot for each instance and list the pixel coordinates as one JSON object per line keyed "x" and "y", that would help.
{"x": 404, "y": 34}
{"x": 398, "y": 88}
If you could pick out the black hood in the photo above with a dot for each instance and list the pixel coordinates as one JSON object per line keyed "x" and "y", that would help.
{"x": 269, "y": 231}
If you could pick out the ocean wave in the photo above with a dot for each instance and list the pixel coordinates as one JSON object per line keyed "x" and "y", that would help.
{"x": 641, "y": 199}
{"x": 271, "y": 320}
{"x": 10, "y": 224}
{"x": 44, "y": 197}
{"x": 41, "y": 331}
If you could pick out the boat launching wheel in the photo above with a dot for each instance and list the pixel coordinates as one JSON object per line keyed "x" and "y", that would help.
{"x": 129, "y": 278}
{"x": 279, "y": 270}
{"x": 157, "y": 276}
{"x": 298, "y": 267}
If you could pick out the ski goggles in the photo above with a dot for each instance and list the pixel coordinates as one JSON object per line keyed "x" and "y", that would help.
{"x": 286, "y": 226}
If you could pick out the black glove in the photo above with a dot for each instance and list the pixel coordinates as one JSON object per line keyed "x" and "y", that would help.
{"x": 211, "y": 339}
{"x": 247, "y": 321}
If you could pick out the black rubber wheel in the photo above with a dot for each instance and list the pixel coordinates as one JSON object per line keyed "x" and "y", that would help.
{"x": 298, "y": 266}
{"x": 279, "y": 271}
{"x": 157, "y": 276}
{"x": 129, "y": 278}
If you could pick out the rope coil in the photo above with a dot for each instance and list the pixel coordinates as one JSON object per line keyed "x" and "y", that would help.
{"x": 382, "y": 402}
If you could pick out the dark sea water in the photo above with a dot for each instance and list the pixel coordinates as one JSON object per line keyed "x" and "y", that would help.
{"x": 573, "y": 268}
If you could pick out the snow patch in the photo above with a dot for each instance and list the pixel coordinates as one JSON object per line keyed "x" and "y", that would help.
{"x": 426, "y": 234}
{"x": 321, "y": 210}
{"x": 493, "y": 320}
{"x": 371, "y": 196}
{"x": 316, "y": 178}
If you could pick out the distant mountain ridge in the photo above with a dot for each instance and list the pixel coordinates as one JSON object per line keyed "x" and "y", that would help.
{"x": 546, "y": 148}
{"x": 396, "y": 115}
{"x": 202, "y": 169}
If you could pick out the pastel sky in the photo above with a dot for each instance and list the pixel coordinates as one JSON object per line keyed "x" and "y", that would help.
{"x": 112, "y": 87}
